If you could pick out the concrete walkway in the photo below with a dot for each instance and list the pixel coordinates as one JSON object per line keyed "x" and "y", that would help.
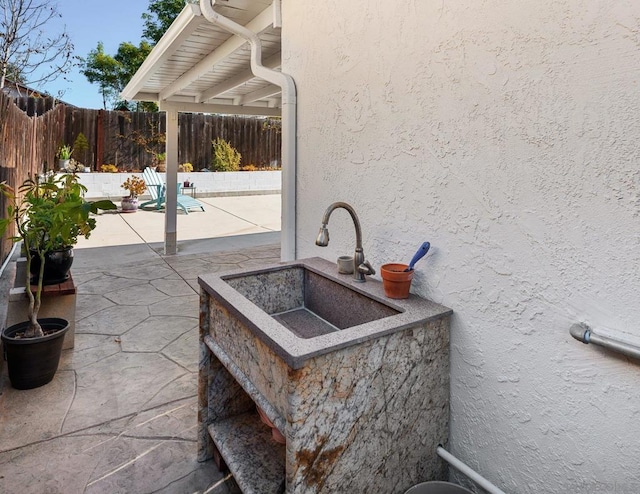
{"x": 223, "y": 217}
{"x": 120, "y": 415}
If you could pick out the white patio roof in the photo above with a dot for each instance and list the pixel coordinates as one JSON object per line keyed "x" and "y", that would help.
{"x": 199, "y": 67}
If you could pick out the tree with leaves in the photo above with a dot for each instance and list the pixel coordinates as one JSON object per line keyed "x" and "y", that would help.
{"x": 130, "y": 58}
{"x": 28, "y": 49}
{"x": 112, "y": 73}
{"x": 102, "y": 69}
{"x": 160, "y": 15}
{"x": 14, "y": 74}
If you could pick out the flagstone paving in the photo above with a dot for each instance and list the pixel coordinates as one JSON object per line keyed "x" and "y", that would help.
{"x": 120, "y": 415}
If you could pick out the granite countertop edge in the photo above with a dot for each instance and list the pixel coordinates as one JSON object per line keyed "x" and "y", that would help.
{"x": 295, "y": 351}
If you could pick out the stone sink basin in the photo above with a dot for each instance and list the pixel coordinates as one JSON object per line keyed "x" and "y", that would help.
{"x": 306, "y": 302}
{"x": 304, "y": 308}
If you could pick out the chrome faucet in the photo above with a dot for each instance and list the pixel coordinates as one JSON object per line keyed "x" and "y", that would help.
{"x": 361, "y": 267}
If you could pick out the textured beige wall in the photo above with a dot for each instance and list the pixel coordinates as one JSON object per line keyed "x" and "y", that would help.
{"x": 507, "y": 134}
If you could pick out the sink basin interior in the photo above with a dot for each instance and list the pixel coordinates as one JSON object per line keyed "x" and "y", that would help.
{"x": 307, "y": 303}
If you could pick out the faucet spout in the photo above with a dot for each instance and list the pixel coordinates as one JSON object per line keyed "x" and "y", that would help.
{"x": 323, "y": 236}
{"x": 360, "y": 266}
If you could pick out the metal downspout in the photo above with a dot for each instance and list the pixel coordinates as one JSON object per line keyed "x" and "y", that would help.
{"x": 287, "y": 84}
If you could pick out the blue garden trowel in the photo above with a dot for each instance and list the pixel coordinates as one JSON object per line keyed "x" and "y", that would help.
{"x": 424, "y": 248}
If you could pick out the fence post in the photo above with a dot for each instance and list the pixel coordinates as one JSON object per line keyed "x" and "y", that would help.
{"x": 99, "y": 151}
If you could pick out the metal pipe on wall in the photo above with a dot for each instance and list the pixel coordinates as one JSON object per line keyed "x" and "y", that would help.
{"x": 583, "y": 333}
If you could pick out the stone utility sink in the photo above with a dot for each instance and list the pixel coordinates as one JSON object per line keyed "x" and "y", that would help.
{"x": 354, "y": 382}
{"x": 304, "y": 308}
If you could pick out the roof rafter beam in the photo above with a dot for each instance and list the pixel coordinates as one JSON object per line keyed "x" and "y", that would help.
{"x": 224, "y": 109}
{"x": 260, "y": 23}
{"x": 244, "y": 76}
{"x": 258, "y": 94}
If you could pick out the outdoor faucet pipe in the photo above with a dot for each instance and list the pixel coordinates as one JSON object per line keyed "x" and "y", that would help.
{"x": 287, "y": 84}
{"x": 360, "y": 266}
{"x": 583, "y": 333}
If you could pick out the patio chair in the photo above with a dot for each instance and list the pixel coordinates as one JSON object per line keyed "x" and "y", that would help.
{"x": 157, "y": 190}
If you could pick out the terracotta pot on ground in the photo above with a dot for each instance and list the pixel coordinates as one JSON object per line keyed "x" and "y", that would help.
{"x": 395, "y": 280}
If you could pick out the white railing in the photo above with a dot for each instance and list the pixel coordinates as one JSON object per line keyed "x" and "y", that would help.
{"x": 583, "y": 333}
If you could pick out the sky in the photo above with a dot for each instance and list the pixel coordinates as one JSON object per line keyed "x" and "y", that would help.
{"x": 87, "y": 22}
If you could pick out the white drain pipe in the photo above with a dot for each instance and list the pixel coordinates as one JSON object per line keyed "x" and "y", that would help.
{"x": 468, "y": 471}
{"x": 8, "y": 258}
{"x": 287, "y": 84}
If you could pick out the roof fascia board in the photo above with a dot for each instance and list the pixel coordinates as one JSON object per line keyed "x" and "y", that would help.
{"x": 184, "y": 25}
{"x": 239, "y": 79}
{"x": 224, "y": 109}
{"x": 258, "y": 24}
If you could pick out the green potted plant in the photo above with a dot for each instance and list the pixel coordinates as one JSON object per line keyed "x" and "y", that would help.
{"x": 136, "y": 187}
{"x": 64, "y": 155}
{"x": 160, "y": 160}
{"x": 48, "y": 214}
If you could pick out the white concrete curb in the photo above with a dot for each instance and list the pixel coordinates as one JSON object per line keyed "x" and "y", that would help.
{"x": 208, "y": 184}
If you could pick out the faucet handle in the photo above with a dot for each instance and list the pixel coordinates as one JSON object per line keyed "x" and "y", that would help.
{"x": 366, "y": 268}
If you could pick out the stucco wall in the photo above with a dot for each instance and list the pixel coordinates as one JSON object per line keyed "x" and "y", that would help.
{"x": 507, "y": 134}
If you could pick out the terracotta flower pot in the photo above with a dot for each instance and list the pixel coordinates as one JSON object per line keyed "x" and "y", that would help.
{"x": 275, "y": 433}
{"x": 395, "y": 280}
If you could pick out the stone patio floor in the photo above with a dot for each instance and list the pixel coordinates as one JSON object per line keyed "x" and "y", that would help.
{"x": 120, "y": 415}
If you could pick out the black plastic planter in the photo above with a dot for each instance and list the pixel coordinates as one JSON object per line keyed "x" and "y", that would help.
{"x": 32, "y": 362}
{"x": 57, "y": 264}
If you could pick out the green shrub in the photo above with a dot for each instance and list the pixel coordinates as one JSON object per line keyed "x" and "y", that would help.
{"x": 226, "y": 158}
{"x": 109, "y": 168}
{"x": 80, "y": 145}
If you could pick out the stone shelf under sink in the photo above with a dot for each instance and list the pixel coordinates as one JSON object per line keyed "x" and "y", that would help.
{"x": 253, "y": 457}
{"x": 363, "y": 389}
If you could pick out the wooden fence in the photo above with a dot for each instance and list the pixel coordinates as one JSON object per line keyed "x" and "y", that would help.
{"x": 111, "y": 135}
{"x": 35, "y": 106}
{"x": 28, "y": 145}
{"x": 20, "y": 152}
